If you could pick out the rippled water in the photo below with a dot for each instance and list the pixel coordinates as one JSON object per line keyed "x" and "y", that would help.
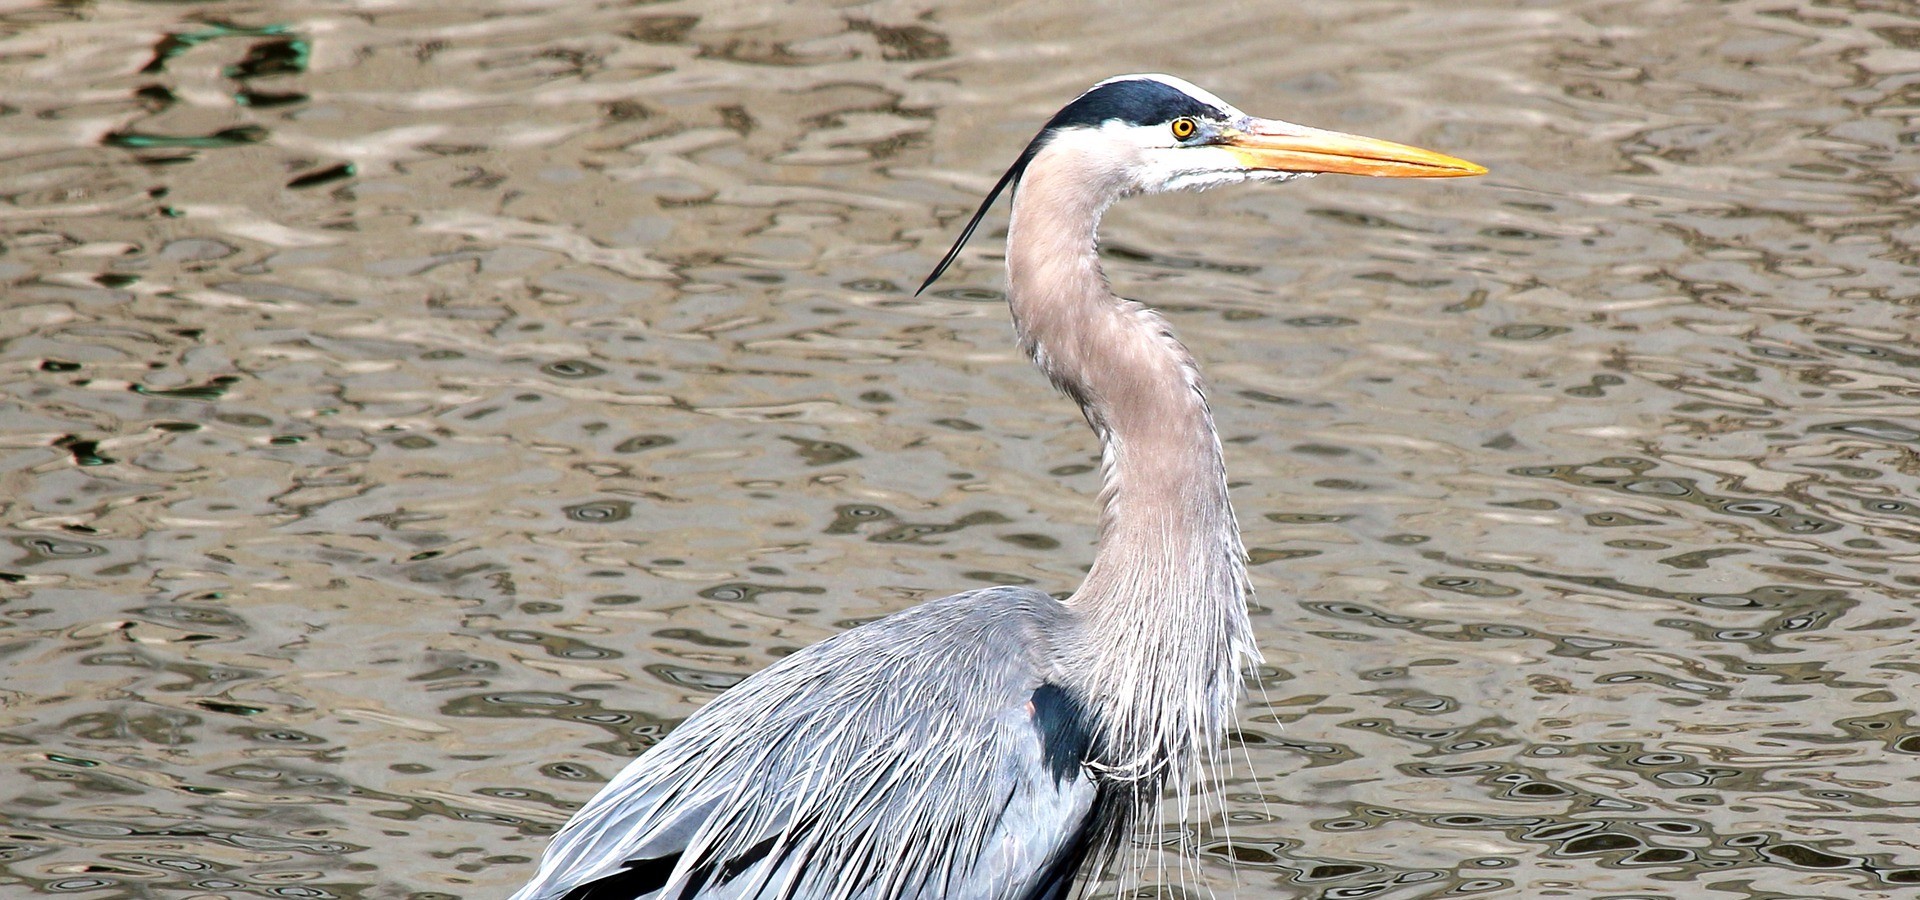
{"x": 412, "y": 412}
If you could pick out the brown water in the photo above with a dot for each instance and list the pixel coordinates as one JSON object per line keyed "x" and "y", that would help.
{"x": 412, "y": 412}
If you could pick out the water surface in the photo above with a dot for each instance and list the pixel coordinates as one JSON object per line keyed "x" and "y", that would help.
{"x": 412, "y": 412}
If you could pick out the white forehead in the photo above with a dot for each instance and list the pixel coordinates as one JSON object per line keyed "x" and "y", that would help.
{"x": 1179, "y": 84}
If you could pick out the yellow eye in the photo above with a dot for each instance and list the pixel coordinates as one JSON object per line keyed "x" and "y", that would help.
{"x": 1184, "y": 128}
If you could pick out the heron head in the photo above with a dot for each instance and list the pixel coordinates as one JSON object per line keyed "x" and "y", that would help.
{"x": 1151, "y": 133}
{"x": 1159, "y": 133}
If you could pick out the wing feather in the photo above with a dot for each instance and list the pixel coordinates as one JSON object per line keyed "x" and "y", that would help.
{"x": 927, "y": 755}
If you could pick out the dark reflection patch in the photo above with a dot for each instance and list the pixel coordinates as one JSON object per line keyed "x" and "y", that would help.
{"x": 699, "y": 679}
{"x": 1604, "y": 474}
{"x": 601, "y": 512}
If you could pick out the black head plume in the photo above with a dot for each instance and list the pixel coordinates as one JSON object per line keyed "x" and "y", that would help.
{"x": 1011, "y": 178}
{"x": 1135, "y": 100}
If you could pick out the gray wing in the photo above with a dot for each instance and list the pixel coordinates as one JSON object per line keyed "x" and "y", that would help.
{"x": 923, "y": 755}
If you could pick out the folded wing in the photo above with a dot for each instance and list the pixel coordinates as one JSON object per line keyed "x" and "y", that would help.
{"x": 929, "y": 754}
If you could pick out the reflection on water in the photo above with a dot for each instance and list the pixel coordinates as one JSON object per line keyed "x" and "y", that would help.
{"x": 414, "y": 411}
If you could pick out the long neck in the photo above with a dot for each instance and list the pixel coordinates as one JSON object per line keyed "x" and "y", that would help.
{"x": 1163, "y": 608}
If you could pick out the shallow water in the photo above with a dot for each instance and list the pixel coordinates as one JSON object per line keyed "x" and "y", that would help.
{"x": 413, "y": 412}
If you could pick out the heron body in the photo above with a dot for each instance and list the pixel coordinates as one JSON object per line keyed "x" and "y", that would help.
{"x": 996, "y": 744}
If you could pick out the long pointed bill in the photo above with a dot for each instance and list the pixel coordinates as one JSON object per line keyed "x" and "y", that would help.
{"x": 1282, "y": 146}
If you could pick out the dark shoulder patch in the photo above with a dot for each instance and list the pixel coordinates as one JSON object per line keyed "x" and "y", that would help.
{"x": 638, "y": 878}
{"x": 1066, "y": 730}
{"x": 1137, "y": 101}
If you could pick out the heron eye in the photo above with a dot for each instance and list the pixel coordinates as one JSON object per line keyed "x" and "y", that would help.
{"x": 1184, "y": 128}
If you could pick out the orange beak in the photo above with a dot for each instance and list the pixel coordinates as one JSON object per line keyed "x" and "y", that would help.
{"x": 1273, "y": 145}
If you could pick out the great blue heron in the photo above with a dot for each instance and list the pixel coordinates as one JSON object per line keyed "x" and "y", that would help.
{"x": 994, "y": 744}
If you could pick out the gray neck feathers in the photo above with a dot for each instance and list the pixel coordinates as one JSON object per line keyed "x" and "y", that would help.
{"x": 1164, "y": 630}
